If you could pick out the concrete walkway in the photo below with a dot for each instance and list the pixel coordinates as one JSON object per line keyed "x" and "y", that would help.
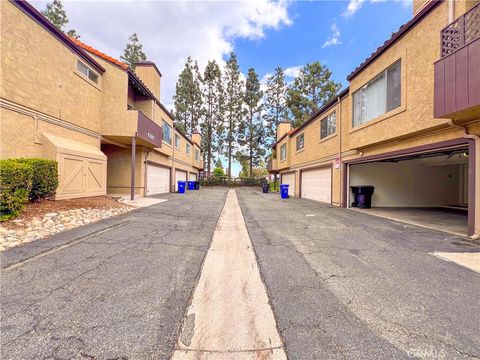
{"x": 230, "y": 316}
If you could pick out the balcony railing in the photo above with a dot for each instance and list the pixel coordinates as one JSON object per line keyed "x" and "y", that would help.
{"x": 461, "y": 32}
{"x": 148, "y": 130}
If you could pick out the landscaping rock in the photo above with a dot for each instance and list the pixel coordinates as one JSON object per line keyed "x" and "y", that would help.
{"x": 53, "y": 223}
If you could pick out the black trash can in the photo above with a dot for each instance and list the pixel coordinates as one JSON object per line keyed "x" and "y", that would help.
{"x": 197, "y": 185}
{"x": 362, "y": 196}
{"x": 265, "y": 187}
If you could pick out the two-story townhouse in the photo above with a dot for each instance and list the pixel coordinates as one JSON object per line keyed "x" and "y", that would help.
{"x": 102, "y": 122}
{"x": 408, "y": 124}
{"x": 51, "y": 100}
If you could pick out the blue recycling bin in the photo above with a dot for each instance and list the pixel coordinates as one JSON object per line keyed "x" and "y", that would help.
{"x": 191, "y": 185}
{"x": 181, "y": 187}
{"x": 284, "y": 191}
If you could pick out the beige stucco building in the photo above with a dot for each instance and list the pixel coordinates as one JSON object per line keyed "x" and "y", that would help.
{"x": 408, "y": 123}
{"x": 61, "y": 99}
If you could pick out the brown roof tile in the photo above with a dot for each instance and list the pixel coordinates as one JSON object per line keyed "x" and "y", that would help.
{"x": 99, "y": 53}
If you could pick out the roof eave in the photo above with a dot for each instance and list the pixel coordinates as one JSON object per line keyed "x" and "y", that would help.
{"x": 37, "y": 16}
{"x": 404, "y": 29}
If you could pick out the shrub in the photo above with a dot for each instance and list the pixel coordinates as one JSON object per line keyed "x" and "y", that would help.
{"x": 45, "y": 177}
{"x": 15, "y": 186}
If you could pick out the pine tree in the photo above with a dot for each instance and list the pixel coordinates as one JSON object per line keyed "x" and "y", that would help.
{"x": 275, "y": 103}
{"x": 212, "y": 114}
{"x": 56, "y": 14}
{"x": 233, "y": 106}
{"x": 251, "y": 130}
{"x": 73, "y": 33}
{"x": 133, "y": 52}
{"x": 310, "y": 90}
{"x": 188, "y": 97}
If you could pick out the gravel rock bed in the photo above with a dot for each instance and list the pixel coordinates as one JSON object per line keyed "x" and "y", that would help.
{"x": 53, "y": 223}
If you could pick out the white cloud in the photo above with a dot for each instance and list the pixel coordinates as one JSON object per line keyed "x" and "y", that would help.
{"x": 334, "y": 38}
{"x": 355, "y": 5}
{"x": 172, "y": 30}
{"x": 292, "y": 71}
{"x": 352, "y": 7}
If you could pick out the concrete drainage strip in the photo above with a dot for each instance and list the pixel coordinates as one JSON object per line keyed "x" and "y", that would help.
{"x": 230, "y": 314}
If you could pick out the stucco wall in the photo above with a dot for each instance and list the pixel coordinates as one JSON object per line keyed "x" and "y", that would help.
{"x": 39, "y": 71}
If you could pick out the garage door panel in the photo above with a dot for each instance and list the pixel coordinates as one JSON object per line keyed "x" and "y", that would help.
{"x": 180, "y": 175}
{"x": 290, "y": 180}
{"x": 192, "y": 177}
{"x": 317, "y": 185}
{"x": 158, "y": 180}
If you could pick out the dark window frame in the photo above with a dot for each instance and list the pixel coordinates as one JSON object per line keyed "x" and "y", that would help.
{"x": 392, "y": 100}
{"x": 328, "y": 125}
{"x": 300, "y": 144}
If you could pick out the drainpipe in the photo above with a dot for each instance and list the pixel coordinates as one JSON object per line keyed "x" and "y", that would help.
{"x": 476, "y": 140}
{"x": 339, "y": 122}
{"x": 451, "y": 11}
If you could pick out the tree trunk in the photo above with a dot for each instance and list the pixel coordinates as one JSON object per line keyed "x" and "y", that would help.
{"x": 230, "y": 150}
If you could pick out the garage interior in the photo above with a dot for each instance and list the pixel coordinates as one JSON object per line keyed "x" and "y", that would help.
{"x": 427, "y": 189}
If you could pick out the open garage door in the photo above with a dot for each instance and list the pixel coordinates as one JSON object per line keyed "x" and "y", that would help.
{"x": 317, "y": 185}
{"x": 425, "y": 189}
{"x": 180, "y": 175}
{"x": 290, "y": 180}
{"x": 158, "y": 179}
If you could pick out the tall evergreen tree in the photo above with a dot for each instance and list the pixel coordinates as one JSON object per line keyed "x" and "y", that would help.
{"x": 275, "y": 103}
{"x": 233, "y": 107}
{"x": 57, "y": 15}
{"x": 212, "y": 119}
{"x": 133, "y": 52}
{"x": 311, "y": 89}
{"x": 251, "y": 130}
{"x": 188, "y": 97}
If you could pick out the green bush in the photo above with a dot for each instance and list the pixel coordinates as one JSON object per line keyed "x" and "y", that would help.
{"x": 15, "y": 186}
{"x": 45, "y": 177}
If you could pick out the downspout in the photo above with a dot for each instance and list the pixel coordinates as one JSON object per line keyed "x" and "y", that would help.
{"x": 340, "y": 148}
{"x": 476, "y": 140}
{"x": 173, "y": 172}
{"x": 451, "y": 11}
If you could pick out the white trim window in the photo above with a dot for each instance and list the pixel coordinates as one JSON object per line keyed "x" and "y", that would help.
{"x": 187, "y": 148}
{"x": 87, "y": 72}
{"x": 167, "y": 133}
{"x": 177, "y": 141}
{"x": 378, "y": 96}
{"x": 300, "y": 142}
{"x": 283, "y": 152}
{"x": 197, "y": 155}
{"x": 328, "y": 125}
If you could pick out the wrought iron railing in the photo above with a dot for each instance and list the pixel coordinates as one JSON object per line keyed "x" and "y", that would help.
{"x": 461, "y": 32}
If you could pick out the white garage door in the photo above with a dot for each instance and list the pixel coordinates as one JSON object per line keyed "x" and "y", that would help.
{"x": 290, "y": 180}
{"x": 180, "y": 176}
{"x": 192, "y": 177}
{"x": 158, "y": 180}
{"x": 317, "y": 185}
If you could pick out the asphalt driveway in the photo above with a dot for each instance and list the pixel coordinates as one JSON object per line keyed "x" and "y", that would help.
{"x": 116, "y": 289}
{"x": 347, "y": 285}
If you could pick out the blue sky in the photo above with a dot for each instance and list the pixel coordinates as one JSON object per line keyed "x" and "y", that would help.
{"x": 302, "y": 42}
{"x": 263, "y": 33}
